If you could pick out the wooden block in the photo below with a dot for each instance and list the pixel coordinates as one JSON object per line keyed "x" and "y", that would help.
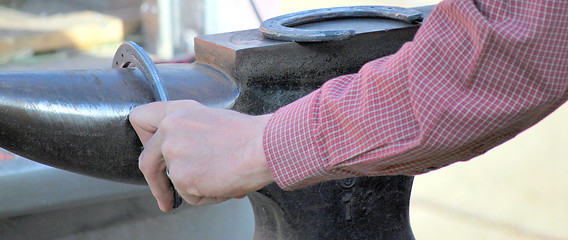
{"x": 21, "y": 31}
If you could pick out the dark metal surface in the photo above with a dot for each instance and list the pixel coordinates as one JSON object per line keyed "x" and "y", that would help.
{"x": 78, "y": 120}
{"x": 356, "y": 208}
{"x": 273, "y": 73}
{"x": 281, "y": 27}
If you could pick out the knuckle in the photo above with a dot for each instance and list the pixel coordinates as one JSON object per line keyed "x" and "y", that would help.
{"x": 171, "y": 149}
{"x": 191, "y": 103}
{"x": 133, "y": 117}
{"x": 190, "y": 188}
{"x": 170, "y": 122}
{"x": 182, "y": 105}
{"x": 135, "y": 112}
{"x": 149, "y": 170}
{"x": 142, "y": 164}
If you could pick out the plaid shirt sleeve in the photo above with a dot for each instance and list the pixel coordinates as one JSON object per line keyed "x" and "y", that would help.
{"x": 476, "y": 74}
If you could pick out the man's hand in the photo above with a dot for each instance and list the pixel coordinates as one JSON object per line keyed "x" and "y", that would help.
{"x": 212, "y": 155}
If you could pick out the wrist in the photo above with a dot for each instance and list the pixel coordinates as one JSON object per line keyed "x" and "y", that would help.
{"x": 260, "y": 159}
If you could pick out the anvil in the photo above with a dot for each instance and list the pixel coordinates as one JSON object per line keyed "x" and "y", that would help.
{"x": 78, "y": 120}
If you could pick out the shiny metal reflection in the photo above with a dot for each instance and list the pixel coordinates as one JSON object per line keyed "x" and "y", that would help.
{"x": 78, "y": 120}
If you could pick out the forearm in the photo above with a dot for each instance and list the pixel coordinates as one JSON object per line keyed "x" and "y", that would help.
{"x": 474, "y": 77}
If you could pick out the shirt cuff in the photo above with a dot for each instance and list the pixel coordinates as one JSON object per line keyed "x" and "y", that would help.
{"x": 291, "y": 149}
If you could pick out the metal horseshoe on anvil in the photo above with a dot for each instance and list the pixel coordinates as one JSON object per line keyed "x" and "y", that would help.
{"x": 78, "y": 120}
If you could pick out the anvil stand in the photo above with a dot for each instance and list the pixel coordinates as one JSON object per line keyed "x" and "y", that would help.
{"x": 356, "y": 208}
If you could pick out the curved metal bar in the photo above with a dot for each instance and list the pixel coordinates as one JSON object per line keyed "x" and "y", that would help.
{"x": 78, "y": 120}
{"x": 281, "y": 27}
{"x": 130, "y": 53}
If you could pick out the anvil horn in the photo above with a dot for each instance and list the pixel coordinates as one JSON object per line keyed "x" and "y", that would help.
{"x": 78, "y": 120}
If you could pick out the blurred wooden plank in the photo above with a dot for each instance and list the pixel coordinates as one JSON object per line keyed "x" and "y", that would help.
{"x": 22, "y": 31}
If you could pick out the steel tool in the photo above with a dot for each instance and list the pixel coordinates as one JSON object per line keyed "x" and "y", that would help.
{"x": 78, "y": 120}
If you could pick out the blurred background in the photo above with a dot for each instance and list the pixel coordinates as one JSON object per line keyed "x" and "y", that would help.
{"x": 516, "y": 191}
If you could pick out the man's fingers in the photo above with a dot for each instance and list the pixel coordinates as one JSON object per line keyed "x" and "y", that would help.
{"x": 153, "y": 166}
{"x": 195, "y": 200}
{"x": 146, "y": 119}
{"x": 207, "y": 151}
{"x": 240, "y": 196}
{"x": 162, "y": 190}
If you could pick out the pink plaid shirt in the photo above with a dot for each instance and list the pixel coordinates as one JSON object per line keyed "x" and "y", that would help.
{"x": 476, "y": 74}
